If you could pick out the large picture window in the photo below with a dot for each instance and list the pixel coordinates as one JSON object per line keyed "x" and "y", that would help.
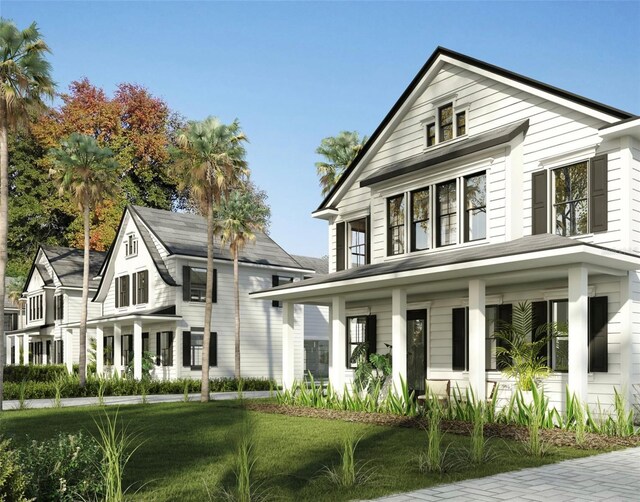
{"x": 447, "y": 206}
{"x": 395, "y": 224}
{"x": 571, "y": 192}
{"x": 420, "y": 220}
{"x": 475, "y": 207}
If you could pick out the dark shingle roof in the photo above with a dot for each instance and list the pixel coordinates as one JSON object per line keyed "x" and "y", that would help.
{"x": 67, "y": 263}
{"x": 528, "y": 244}
{"x": 319, "y": 265}
{"x": 153, "y": 251}
{"x": 186, "y": 234}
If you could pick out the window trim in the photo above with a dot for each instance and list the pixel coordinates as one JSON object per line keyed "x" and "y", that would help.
{"x": 388, "y": 225}
{"x": 465, "y": 214}
{"x": 131, "y": 245}
{"x": 349, "y": 245}
{"x": 584, "y": 199}
{"x": 434, "y": 121}
{"x": 136, "y": 283}
{"x": 58, "y": 307}
{"x": 35, "y": 308}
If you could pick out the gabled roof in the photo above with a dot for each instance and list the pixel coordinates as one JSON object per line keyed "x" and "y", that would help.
{"x": 440, "y": 52}
{"x": 319, "y": 265}
{"x": 68, "y": 265}
{"x": 186, "y": 234}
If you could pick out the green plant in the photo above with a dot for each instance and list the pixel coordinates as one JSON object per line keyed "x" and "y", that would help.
{"x": 13, "y": 480}
{"x": 117, "y": 445}
{"x": 22, "y": 395}
{"x": 59, "y": 384}
{"x": 537, "y": 412}
{"x": 144, "y": 391}
{"x": 477, "y": 446}
{"x": 519, "y": 353}
{"x": 369, "y": 371}
{"x": 148, "y": 363}
{"x": 348, "y": 472}
{"x": 102, "y": 386}
{"x": 240, "y": 388}
{"x": 185, "y": 391}
{"x": 432, "y": 458}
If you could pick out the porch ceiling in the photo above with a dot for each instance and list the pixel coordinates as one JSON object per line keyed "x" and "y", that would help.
{"x": 529, "y": 259}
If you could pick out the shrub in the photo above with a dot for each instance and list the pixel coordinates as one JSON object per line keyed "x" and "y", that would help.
{"x": 34, "y": 373}
{"x": 63, "y": 468}
{"x": 13, "y": 481}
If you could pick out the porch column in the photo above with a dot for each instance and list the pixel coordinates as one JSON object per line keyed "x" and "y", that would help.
{"x": 25, "y": 350}
{"x": 578, "y": 329}
{"x": 338, "y": 343}
{"x": 7, "y": 349}
{"x": 288, "y": 373}
{"x": 399, "y": 337}
{"x": 117, "y": 349}
{"x": 67, "y": 348}
{"x": 626, "y": 339}
{"x": 477, "y": 328}
{"x": 137, "y": 350}
{"x": 99, "y": 350}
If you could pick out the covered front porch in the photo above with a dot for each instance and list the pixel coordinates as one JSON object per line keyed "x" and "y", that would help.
{"x": 451, "y": 299}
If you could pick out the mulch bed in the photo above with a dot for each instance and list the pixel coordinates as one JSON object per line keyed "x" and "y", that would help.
{"x": 555, "y": 437}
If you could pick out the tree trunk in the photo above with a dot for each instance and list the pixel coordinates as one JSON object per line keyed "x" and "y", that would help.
{"x": 236, "y": 291}
{"x": 4, "y": 223}
{"x": 206, "y": 337}
{"x": 85, "y": 298}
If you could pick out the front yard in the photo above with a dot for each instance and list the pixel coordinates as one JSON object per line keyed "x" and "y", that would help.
{"x": 188, "y": 451}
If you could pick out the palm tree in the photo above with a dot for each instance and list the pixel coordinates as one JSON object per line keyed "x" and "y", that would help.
{"x": 24, "y": 79}
{"x": 210, "y": 162}
{"x": 238, "y": 217}
{"x": 87, "y": 172}
{"x": 339, "y": 151}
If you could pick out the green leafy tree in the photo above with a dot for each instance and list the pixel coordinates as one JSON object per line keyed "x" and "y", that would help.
{"x": 210, "y": 161}
{"x": 24, "y": 80}
{"x": 87, "y": 172}
{"x": 338, "y": 151}
{"x": 237, "y": 219}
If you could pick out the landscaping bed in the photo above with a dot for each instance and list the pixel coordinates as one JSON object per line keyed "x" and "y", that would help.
{"x": 555, "y": 437}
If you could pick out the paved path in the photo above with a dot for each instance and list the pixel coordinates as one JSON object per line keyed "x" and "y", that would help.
{"x": 609, "y": 476}
{"x": 122, "y": 400}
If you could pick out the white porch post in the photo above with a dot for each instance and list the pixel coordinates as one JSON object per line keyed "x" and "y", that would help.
{"x": 477, "y": 328}
{"x": 7, "y": 348}
{"x": 399, "y": 336}
{"x": 117, "y": 349}
{"x": 338, "y": 343}
{"x": 578, "y": 329}
{"x": 626, "y": 338}
{"x": 137, "y": 350}
{"x": 288, "y": 373}
{"x": 68, "y": 349}
{"x": 99, "y": 350}
{"x": 25, "y": 349}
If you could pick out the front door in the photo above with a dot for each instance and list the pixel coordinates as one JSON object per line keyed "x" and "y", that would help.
{"x": 416, "y": 350}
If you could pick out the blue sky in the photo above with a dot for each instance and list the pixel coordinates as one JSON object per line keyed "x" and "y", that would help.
{"x": 296, "y": 72}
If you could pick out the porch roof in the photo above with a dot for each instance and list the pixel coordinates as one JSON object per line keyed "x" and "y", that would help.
{"x": 32, "y": 330}
{"x": 158, "y": 314}
{"x": 530, "y": 258}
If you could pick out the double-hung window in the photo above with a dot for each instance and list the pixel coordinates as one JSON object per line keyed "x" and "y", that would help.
{"x": 164, "y": 349}
{"x": 448, "y": 124}
{"x": 140, "y": 287}
{"x": 560, "y": 343}
{"x": 58, "y": 307}
{"x": 420, "y": 220}
{"x": 360, "y": 330}
{"x": 107, "y": 344}
{"x": 122, "y": 291}
{"x": 126, "y": 345}
{"x": 194, "y": 284}
{"x": 395, "y": 225}
{"x": 193, "y": 345}
{"x": 10, "y": 321}
{"x": 352, "y": 243}
{"x": 571, "y": 193}
{"x": 475, "y": 207}
{"x": 447, "y": 213}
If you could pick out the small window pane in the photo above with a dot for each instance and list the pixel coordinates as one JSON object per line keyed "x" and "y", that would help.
{"x": 461, "y": 123}
{"x": 196, "y": 348}
{"x": 420, "y": 220}
{"x": 491, "y": 326}
{"x": 447, "y": 213}
{"x": 475, "y": 191}
{"x": 396, "y": 216}
{"x": 356, "y": 334}
{"x": 560, "y": 344}
{"x": 570, "y": 199}
{"x": 445, "y": 116}
{"x": 198, "y": 289}
{"x": 358, "y": 242}
{"x": 431, "y": 134}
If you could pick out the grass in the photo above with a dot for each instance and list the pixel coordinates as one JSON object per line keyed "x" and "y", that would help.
{"x": 186, "y": 447}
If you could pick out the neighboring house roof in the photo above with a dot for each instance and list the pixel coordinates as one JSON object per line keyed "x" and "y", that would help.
{"x": 186, "y": 234}
{"x": 319, "y": 265}
{"x": 455, "y": 150}
{"x": 68, "y": 265}
{"x": 496, "y": 70}
{"x": 524, "y": 245}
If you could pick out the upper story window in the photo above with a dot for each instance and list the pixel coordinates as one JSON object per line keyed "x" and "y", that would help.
{"x": 194, "y": 284}
{"x": 456, "y": 218}
{"x": 10, "y": 321}
{"x": 352, "y": 243}
{"x": 131, "y": 245}
{"x": 395, "y": 225}
{"x": 58, "y": 307}
{"x": 140, "y": 287}
{"x": 448, "y": 124}
{"x": 278, "y": 280}
{"x": 36, "y": 307}
{"x": 579, "y": 197}
{"x": 122, "y": 291}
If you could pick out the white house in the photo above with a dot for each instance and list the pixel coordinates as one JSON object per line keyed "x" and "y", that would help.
{"x": 52, "y": 296}
{"x": 152, "y": 292}
{"x": 482, "y": 188}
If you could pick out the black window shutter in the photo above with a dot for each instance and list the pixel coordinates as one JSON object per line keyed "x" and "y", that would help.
{"x": 539, "y": 216}
{"x": 367, "y": 249}
{"x": 459, "y": 335}
{"x": 213, "y": 350}
{"x": 134, "y": 290}
{"x": 145, "y": 275}
{"x": 186, "y": 283}
{"x": 371, "y": 335}
{"x": 275, "y": 281}
{"x": 158, "y": 351}
{"x": 598, "y": 334}
{"x": 117, "y": 292}
{"x": 539, "y": 317}
{"x": 214, "y": 292}
{"x": 186, "y": 348}
{"x": 340, "y": 246}
{"x": 598, "y": 211}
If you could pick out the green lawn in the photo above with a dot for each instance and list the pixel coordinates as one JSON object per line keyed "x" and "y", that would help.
{"x": 190, "y": 445}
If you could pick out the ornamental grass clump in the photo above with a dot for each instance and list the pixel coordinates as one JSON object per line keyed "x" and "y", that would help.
{"x": 536, "y": 447}
{"x": 432, "y": 459}
{"x": 348, "y": 472}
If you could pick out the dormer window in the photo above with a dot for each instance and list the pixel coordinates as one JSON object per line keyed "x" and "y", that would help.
{"x": 131, "y": 245}
{"x": 448, "y": 124}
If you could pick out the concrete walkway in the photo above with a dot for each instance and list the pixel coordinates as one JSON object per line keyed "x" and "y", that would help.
{"x": 123, "y": 400}
{"x": 609, "y": 476}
